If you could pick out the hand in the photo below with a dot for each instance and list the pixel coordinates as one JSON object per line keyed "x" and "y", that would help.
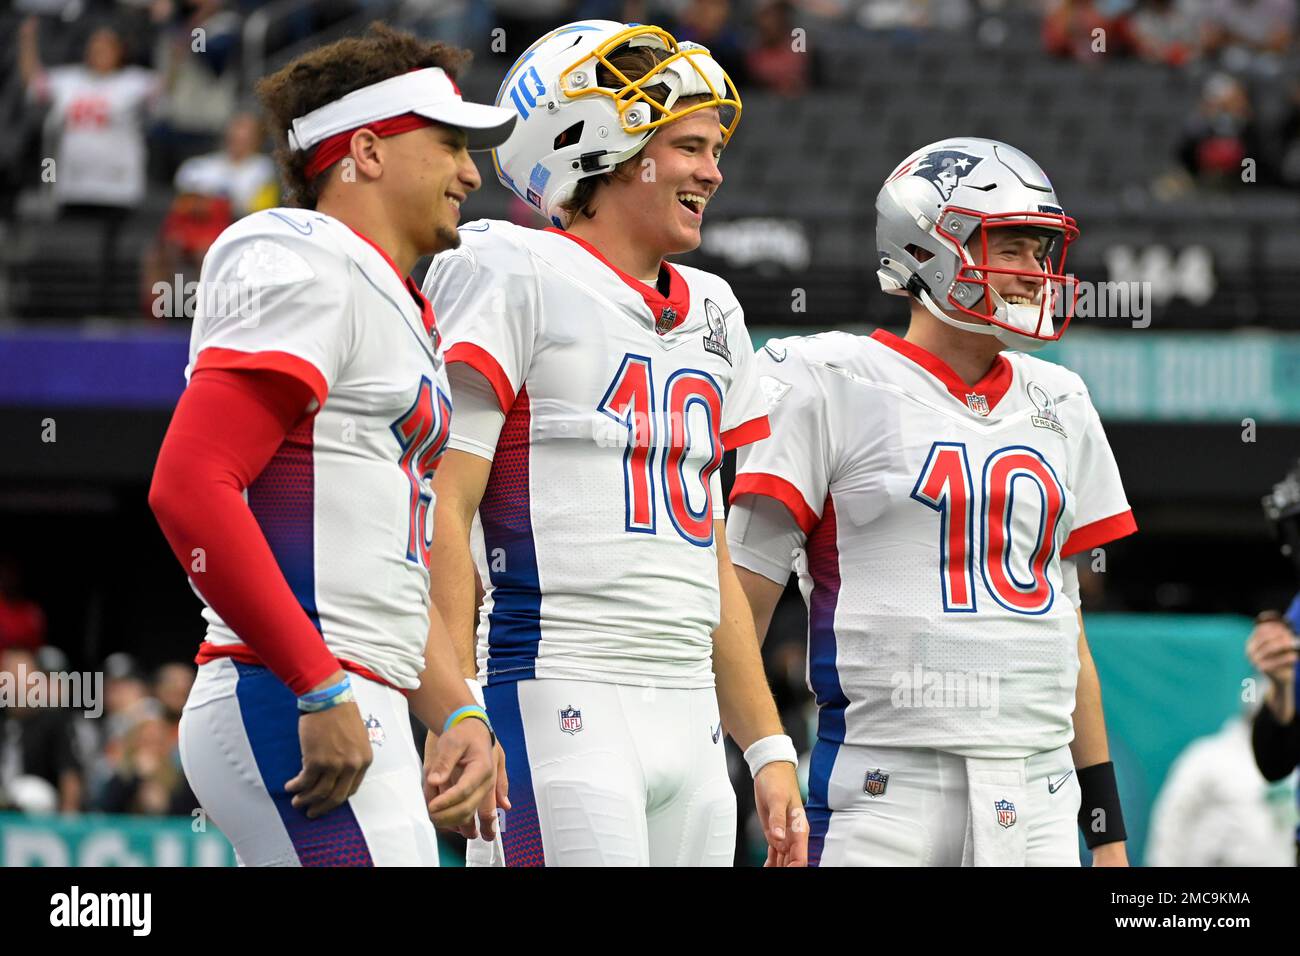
{"x": 1110, "y": 854}
{"x": 335, "y": 756}
{"x": 780, "y": 808}
{"x": 1271, "y": 649}
{"x": 470, "y": 831}
{"x": 460, "y": 783}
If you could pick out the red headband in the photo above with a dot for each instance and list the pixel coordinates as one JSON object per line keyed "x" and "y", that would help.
{"x": 331, "y": 150}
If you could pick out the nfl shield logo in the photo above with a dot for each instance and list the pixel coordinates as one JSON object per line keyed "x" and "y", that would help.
{"x": 570, "y": 720}
{"x": 375, "y": 731}
{"x": 978, "y": 403}
{"x": 667, "y": 318}
{"x": 877, "y": 781}
{"x": 1006, "y": 813}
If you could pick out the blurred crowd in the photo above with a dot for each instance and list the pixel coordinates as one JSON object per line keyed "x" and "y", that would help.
{"x": 1245, "y": 54}
{"x": 56, "y": 757}
{"x": 110, "y": 747}
{"x": 140, "y": 109}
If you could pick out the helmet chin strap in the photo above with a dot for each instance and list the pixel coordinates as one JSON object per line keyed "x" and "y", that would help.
{"x": 610, "y": 163}
{"x": 1012, "y": 340}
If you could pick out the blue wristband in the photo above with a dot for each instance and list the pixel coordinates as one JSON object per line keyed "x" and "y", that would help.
{"x": 470, "y": 712}
{"x": 326, "y": 697}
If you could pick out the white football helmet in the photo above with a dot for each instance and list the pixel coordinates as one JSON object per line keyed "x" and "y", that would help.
{"x": 570, "y": 127}
{"x": 929, "y": 209}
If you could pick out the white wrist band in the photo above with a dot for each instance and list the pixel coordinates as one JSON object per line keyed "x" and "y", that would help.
{"x": 476, "y": 689}
{"x": 769, "y": 750}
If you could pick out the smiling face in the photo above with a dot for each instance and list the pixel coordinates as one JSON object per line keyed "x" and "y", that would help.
{"x": 662, "y": 196}
{"x": 429, "y": 174}
{"x": 1023, "y": 250}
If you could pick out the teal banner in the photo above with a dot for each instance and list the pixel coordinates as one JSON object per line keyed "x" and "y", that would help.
{"x": 1188, "y": 377}
{"x": 103, "y": 840}
{"x": 1166, "y": 681}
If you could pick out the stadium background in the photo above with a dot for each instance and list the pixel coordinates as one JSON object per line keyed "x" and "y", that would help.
{"x": 1173, "y": 137}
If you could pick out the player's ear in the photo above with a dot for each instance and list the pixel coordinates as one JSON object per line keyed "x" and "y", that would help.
{"x": 365, "y": 156}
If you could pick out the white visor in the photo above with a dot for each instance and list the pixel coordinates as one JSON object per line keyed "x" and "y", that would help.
{"x": 428, "y": 92}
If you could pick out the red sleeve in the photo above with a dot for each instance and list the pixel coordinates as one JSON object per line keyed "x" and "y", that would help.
{"x": 226, "y": 428}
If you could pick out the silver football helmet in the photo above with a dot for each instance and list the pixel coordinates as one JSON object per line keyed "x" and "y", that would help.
{"x": 948, "y": 193}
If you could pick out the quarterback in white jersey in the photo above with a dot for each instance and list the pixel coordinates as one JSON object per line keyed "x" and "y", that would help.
{"x": 597, "y": 388}
{"x": 295, "y": 481}
{"x": 928, "y": 492}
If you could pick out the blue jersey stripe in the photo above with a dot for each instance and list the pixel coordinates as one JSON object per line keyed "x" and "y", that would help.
{"x": 283, "y": 500}
{"x": 521, "y": 836}
{"x": 514, "y": 624}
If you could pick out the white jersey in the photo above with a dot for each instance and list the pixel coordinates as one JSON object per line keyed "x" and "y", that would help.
{"x": 594, "y": 538}
{"x": 936, "y": 516}
{"x": 347, "y": 501}
{"x": 101, "y": 154}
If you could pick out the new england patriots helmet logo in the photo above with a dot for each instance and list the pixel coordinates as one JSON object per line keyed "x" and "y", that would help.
{"x": 945, "y": 169}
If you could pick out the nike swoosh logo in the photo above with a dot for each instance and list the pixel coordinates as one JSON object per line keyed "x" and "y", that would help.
{"x": 717, "y": 732}
{"x": 1052, "y": 788}
{"x": 772, "y": 352}
{"x": 305, "y": 230}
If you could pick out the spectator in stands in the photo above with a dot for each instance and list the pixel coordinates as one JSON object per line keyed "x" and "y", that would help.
{"x": 240, "y": 172}
{"x": 36, "y": 741}
{"x": 195, "y": 50}
{"x": 1221, "y": 134}
{"x": 773, "y": 61}
{"x": 1250, "y": 35}
{"x": 126, "y": 703}
{"x": 1070, "y": 30}
{"x": 147, "y": 778}
{"x": 22, "y": 622}
{"x": 1166, "y": 31}
{"x": 212, "y": 191}
{"x": 98, "y": 110}
{"x": 709, "y": 22}
{"x": 171, "y": 687}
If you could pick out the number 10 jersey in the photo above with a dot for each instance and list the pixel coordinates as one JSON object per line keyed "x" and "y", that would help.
{"x": 594, "y": 538}
{"x": 936, "y": 515}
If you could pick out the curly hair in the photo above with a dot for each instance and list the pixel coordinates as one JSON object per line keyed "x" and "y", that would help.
{"x": 327, "y": 73}
{"x": 634, "y": 63}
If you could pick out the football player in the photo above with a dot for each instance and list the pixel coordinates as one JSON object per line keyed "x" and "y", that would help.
{"x": 295, "y": 480}
{"x": 597, "y": 387}
{"x": 928, "y": 491}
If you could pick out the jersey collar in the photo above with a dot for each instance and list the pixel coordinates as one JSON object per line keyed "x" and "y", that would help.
{"x": 421, "y": 303}
{"x": 981, "y": 398}
{"x": 668, "y": 311}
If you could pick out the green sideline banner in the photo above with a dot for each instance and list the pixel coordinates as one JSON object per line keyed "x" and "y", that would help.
{"x": 1187, "y": 377}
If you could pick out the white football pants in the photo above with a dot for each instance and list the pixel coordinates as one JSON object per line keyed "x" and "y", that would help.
{"x": 610, "y": 775}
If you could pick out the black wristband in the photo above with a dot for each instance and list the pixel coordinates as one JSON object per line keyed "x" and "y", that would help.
{"x": 1100, "y": 818}
{"x": 492, "y": 734}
